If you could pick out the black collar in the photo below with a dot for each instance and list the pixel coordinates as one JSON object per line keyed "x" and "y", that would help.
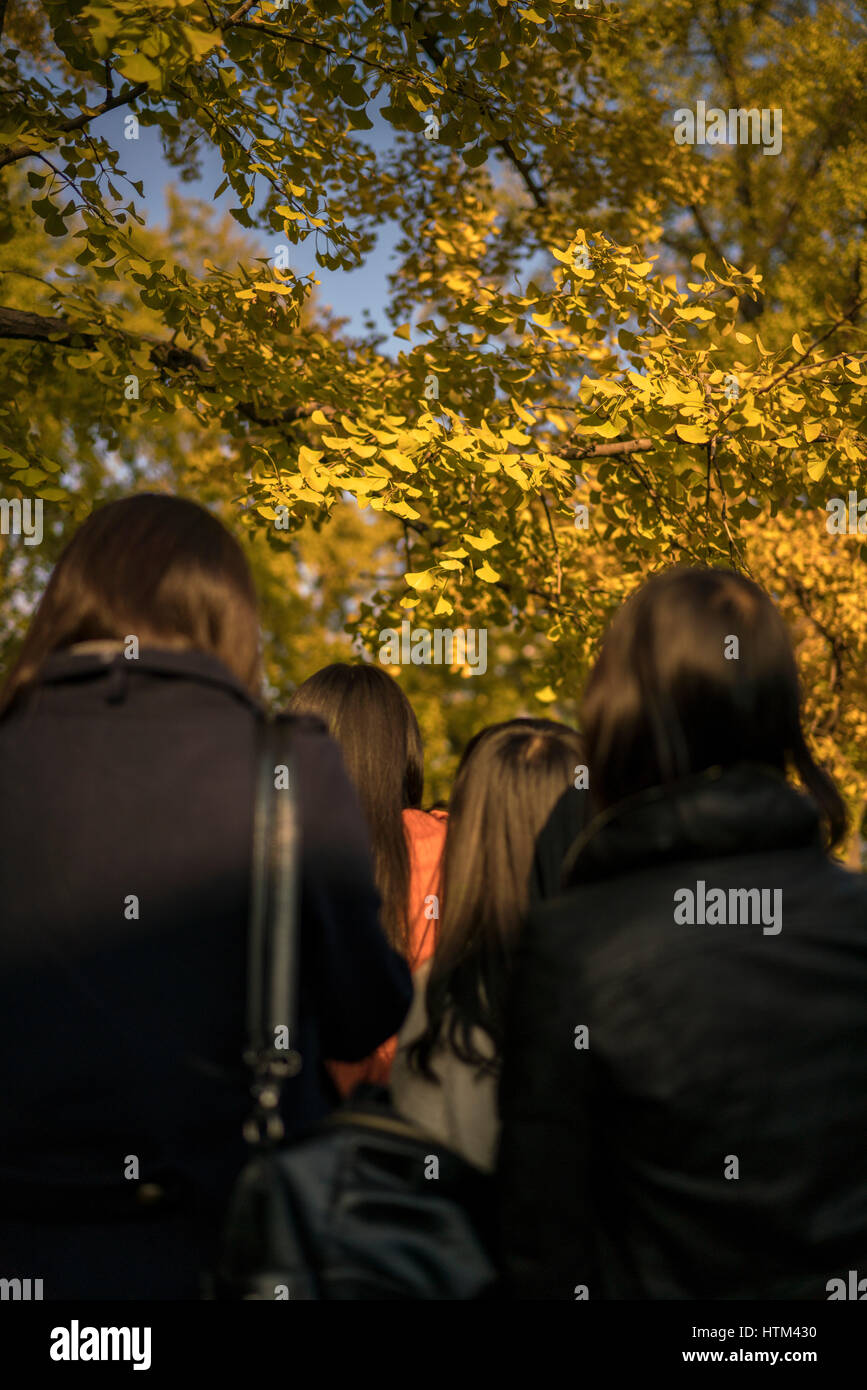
{"x": 738, "y": 810}
{"x": 70, "y": 665}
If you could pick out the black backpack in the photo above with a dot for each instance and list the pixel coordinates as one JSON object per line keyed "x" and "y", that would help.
{"x": 365, "y": 1206}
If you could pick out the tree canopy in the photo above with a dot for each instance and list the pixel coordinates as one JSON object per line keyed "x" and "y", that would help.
{"x": 611, "y": 350}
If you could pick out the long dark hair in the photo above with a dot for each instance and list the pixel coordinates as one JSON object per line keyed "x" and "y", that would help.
{"x": 367, "y": 713}
{"x": 509, "y": 778}
{"x": 671, "y": 694}
{"x": 157, "y": 567}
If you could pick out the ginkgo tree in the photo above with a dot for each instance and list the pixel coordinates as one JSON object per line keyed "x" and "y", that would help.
{"x": 612, "y": 351}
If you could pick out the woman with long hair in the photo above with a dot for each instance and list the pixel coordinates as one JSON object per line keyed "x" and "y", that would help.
{"x": 128, "y": 743}
{"x": 372, "y": 721}
{"x": 685, "y": 1078}
{"x": 445, "y": 1073}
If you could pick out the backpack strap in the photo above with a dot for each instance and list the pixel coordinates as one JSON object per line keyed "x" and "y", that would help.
{"x": 272, "y": 953}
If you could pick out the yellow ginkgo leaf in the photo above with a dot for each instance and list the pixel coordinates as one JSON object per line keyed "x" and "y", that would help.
{"x": 516, "y": 437}
{"x": 482, "y": 542}
{"x": 816, "y": 468}
{"x": 420, "y": 580}
{"x": 691, "y": 434}
{"x": 399, "y": 460}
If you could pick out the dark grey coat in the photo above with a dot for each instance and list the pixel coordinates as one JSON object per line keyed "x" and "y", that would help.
{"x": 121, "y": 1036}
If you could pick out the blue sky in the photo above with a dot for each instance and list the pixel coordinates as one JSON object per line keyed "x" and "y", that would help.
{"x": 347, "y": 292}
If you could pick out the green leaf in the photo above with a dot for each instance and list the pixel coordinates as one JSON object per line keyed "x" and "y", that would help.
{"x": 474, "y": 155}
{"x": 201, "y": 41}
{"x": 138, "y": 68}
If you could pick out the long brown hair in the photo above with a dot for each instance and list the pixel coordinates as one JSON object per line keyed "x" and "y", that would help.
{"x": 509, "y": 779}
{"x": 157, "y": 567}
{"x": 368, "y": 714}
{"x": 672, "y": 694}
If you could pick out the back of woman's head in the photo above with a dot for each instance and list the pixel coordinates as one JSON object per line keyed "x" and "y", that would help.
{"x": 367, "y": 713}
{"x": 155, "y": 567}
{"x": 509, "y": 779}
{"x": 697, "y": 671}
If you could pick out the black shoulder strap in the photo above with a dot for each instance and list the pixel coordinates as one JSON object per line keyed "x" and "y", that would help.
{"x": 272, "y": 953}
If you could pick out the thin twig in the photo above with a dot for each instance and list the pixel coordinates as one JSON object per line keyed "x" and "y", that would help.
{"x": 557, "y": 566}
{"x": 817, "y": 342}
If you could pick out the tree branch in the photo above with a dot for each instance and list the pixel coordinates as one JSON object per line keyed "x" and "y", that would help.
{"x": 22, "y": 325}
{"x": 557, "y": 566}
{"x": 598, "y": 451}
{"x": 239, "y": 14}
{"x": 111, "y": 103}
{"x": 431, "y": 46}
{"x": 704, "y": 230}
{"x": 794, "y": 204}
{"x": 848, "y": 317}
{"x": 274, "y": 31}
{"x": 297, "y": 412}
{"x": 838, "y": 648}
{"x": 17, "y": 152}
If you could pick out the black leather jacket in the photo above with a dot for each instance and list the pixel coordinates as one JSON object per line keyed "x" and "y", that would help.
{"x": 707, "y": 1136}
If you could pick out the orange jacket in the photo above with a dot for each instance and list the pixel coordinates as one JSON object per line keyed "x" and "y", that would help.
{"x": 425, "y": 836}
